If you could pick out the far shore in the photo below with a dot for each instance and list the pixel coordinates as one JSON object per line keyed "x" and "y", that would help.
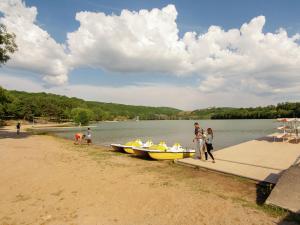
{"x": 49, "y": 180}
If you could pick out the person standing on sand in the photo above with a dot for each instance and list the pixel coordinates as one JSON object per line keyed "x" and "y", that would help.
{"x": 89, "y": 136}
{"x": 208, "y": 143}
{"x": 18, "y": 128}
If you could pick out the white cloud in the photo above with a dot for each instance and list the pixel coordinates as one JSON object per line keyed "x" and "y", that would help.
{"x": 37, "y": 50}
{"x": 132, "y": 42}
{"x": 243, "y": 60}
{"x": 245, "y": 56}
{"x": 149, "y": 41}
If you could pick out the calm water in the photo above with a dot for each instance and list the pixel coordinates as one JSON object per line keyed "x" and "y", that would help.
{"x": 226, "y": 132}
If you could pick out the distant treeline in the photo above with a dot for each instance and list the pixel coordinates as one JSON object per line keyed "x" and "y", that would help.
{"x": 269, "y": 112}
{"x": 24, "y": 105}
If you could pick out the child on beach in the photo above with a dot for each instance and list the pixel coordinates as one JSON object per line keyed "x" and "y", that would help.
{"x": 208, "y": 143}
{"x": 78, "y": 138}
{"x": 89, "y": 136}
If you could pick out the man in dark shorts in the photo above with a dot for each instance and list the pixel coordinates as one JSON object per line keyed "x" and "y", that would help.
{"x": 18, "y": 128}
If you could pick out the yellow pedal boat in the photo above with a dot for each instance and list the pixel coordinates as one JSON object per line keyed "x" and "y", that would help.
{"x": 119, "y": 147}
{"x": 129, "y": 145}
{"x": 162, "y": 152}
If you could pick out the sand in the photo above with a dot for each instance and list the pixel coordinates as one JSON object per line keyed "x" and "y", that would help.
{"x": 47, "y": 180}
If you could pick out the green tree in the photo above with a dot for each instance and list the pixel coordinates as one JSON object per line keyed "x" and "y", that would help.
{"x": 81, "y": 116}
{"x": 5, "y": 99}
{"x": 7, "y": 44}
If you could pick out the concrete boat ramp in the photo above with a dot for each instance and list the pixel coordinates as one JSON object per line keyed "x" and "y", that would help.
{"x": 286, "y": 193}
{"x": 262, "y": 160}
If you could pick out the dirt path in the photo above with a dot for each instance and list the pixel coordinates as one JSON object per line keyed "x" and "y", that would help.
{"x": 46, "y": 180}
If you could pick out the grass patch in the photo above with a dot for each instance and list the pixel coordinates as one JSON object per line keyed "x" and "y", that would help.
{"x": 268, "y": 209}
{"x": 98, "y": 155}
{"x": 39, "y": 133}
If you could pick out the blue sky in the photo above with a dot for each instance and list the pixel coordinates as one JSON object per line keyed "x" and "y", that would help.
{"x": 57, "y": 17}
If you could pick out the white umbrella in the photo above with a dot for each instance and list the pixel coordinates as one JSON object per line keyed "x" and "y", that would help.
{"x": 282, "y": 120}
{"x": 293, "y": 120}
{"x": 282, "y": 128}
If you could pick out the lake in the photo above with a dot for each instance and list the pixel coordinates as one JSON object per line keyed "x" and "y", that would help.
{"x": 226, "y": 132}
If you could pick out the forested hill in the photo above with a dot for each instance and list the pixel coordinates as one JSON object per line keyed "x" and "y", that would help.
{"x": 284, "y": 110}
{"x": 24, "y": 105}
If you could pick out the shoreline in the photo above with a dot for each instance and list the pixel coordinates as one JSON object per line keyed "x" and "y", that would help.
{"x": 91, "y": 184}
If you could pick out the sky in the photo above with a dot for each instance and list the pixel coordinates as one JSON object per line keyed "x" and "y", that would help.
{"x": 183, "y": 54}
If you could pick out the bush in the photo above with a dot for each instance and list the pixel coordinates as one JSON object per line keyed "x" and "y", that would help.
{"x": 81, "y": 116}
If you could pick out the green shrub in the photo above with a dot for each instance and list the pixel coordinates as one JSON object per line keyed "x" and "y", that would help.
{"x": 81, "y": 116}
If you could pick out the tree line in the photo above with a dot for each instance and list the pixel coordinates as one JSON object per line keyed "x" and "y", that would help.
{"x": 281, "y": 110}
{"x": 57, "y": 108}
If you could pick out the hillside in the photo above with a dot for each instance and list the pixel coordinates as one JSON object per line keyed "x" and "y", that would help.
{"x": 287, "y": 109}
{"x": 24, "y": 105}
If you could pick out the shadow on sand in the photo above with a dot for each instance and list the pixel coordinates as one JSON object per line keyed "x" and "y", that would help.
{"x": 263, "y": 190}
{"x": 4, "y": 133}
{"x": 291, "y": 218}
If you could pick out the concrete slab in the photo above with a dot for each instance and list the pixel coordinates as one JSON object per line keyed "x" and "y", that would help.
{"x": 260, "y": 160}
{"x": 242, "y": 170}
{"x": 286, "y": 193}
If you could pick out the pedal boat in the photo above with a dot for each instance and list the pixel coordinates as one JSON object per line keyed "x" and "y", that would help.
{"x": 119, "y": 147}
{"x": 161, "y": 152}
{"x": 129, "y": 145}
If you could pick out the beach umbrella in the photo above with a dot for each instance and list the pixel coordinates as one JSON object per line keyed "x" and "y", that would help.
{"x": 282, "y": 120}
{"x": 292, "y": 120}
{"x": 282, "y": 128}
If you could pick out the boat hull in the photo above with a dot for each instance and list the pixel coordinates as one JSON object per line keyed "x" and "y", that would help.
{"x": 141, "y": 153}
{"x": 170, "y": 155}
{"x": 129, "y": 150}
{"x": 118, "y": 148}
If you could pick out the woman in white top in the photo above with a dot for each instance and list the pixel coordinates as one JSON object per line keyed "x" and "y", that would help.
{"x": 209, "y": 146}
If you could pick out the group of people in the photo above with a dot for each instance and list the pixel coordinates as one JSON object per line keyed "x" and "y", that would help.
{"x": 80, "y": 137}
{"x": 204, "y": 141}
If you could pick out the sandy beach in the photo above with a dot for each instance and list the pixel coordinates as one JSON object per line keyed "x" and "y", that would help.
{"x": 47, "y": 180}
